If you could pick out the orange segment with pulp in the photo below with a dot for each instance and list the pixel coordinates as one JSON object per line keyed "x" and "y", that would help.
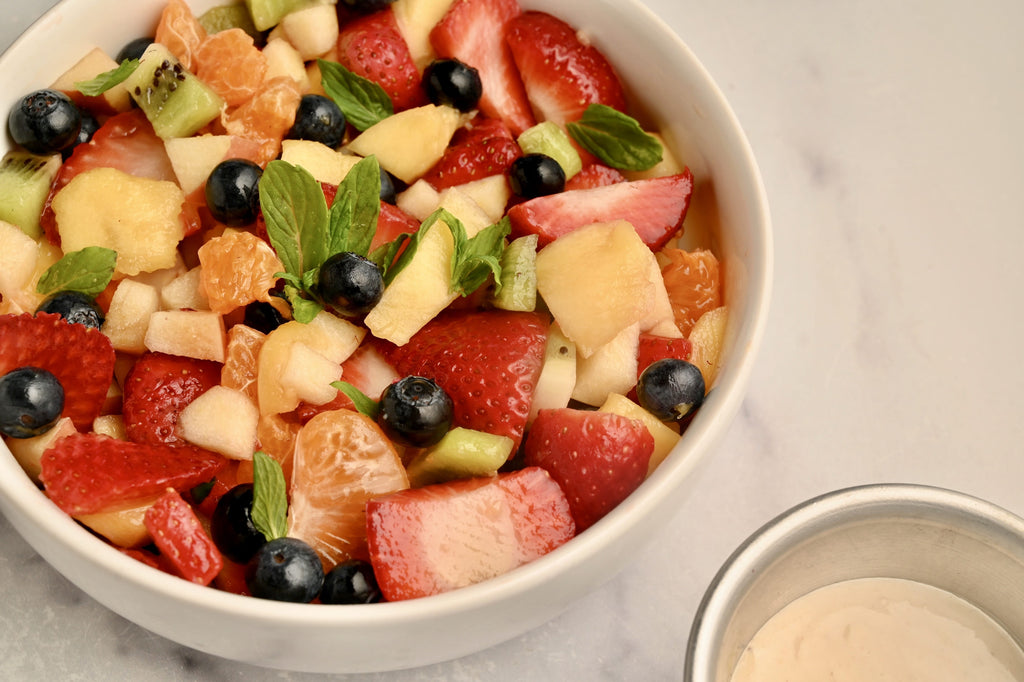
{"x": 693, "y": 281}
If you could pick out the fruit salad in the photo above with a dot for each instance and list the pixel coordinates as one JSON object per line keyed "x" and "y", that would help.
{"x": 346, "y": 302}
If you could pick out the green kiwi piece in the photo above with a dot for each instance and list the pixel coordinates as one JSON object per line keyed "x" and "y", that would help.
{"x": 224, "y": 17}
{"x": 24, "y": 185}
{"x": 518, "y": 275}
{"x": 176, "y": 102}
{"x": 461, "y": 453}
{"x": 548, "y": 138}
{"x": 268, "y": 13}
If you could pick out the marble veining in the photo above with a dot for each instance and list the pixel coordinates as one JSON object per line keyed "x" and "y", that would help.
{"x": 890, "y": 142}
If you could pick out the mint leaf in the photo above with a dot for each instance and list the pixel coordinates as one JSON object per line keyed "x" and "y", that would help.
{"x": 363, "y": 102}
{"x": 269, "y": 497}
{"x": 363, "y": 402}
{"x": 107, "y": 79}
{"x": 616, "y": 139}
{"x": 356, "y": 207}
{"x": 296, "y": 215}
{"x": 303, "y": 309}
{"x": 384, "y": 255}
{"x": 477, "y": 257}
{"x": 87, "y": 271}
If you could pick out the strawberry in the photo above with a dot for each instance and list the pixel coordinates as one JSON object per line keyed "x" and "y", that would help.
{"x": 488, "y": 362}
{"x": 655, "y": 207}
{"x": 563, "y": 75}
{"x": 480, "y": 151}
{"x": 372, "y": 47}
{"x": 86, "y": 473}
{"x": 81, "y": 358}
{"x": 473, "y": 31}
{"x": 391, "y": 223}
{"x": 598, "y": 458}
{"x": 653, "y": 348}
{"x": 157, "y": 389}
{"x": 125, "y": 142}
{"x": 429, "y": 540}
{"x": 182, "y": 540}
{"x": 594, "y": 175}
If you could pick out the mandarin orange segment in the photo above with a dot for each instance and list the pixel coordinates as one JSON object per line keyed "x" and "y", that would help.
{"x": 180, "y": 32}
{"x": 276, "y": 434}
{"x": 239, "y": 369}
{"x": 237, "y": 269}
{"x": 267, "y": 117}
{"x": 232, "y": 65}
{"x": 693, "y": 281}
{"x": 342, "y": 459}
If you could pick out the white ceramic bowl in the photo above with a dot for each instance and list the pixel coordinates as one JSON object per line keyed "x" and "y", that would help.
{"x": 681, "y": 98}
{"x": 949, "y": 540}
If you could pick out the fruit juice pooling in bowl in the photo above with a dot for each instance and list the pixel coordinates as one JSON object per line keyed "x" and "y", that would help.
{"x": 397, "y": 296}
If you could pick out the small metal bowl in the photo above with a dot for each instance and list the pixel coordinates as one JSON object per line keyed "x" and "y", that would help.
{"x": 952, "y": 541}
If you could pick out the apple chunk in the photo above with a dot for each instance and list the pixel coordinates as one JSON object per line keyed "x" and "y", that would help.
{"x": 597, "y": 282}
{"x": 222, "y": 420}
{"x": 192, "y": 333}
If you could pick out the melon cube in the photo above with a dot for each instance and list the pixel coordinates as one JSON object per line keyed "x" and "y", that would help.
{"x": 222, "y": 420}
{"x": 611, "y": 368}
{"x": 409, "y": 143}
{"x": 29, "y": 451}
{"x": 309, "y": 374}
{"x": 419, "y": 200}
{"x": 196, "y": 334}
{"x": 192, "y": 158}
{"x": 127, "y": 320}
{"x": 313, "y": 31}
{"x": 185, "y": 292}
{"x": 415, "y": 19}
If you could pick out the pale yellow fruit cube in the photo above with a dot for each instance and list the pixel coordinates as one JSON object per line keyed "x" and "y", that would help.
{"x": 29, "y": 451}
{"x": 195, "y": 334}
{"x": 222, "y": 420}
{"x": 409, "y": 143}
{"x": 708, "y": 337}
{"x": 665, "y": 437}
{"x": 127, "y": 320}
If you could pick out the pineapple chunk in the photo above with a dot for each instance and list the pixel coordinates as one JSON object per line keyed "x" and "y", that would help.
{"x": 707, "y": 336}
{"x": 410, "y": 142}
{"x": 192, "y": 333}
{"x": 222, "y": 420}
{"x": 140, "y": 218}
{"x": 128, "y": 316}
{"x": 283, "y": 60}
{"x": 123, "y": 527}
{"x": 29, "y": 451}
{"x": 612, "y": 368}
{"x": 192, "y": 158}
{"x": 597, "y": 282}
{"x": 415, "y": 19}
{"x": 322, "y": 162}
{"x": 185, "y": 292}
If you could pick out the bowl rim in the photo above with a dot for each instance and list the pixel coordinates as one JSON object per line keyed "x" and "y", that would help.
{"x": 707, "y": 427}
{"x": 806, "y": 520}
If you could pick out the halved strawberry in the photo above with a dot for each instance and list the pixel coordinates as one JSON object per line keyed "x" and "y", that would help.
{"x": 441, "y": 537}
{"x": 371, "y": 46}
{"x": 81, "y": 358}
{"x": 125, "y": 142}
{"x": 487, "y": 148}
{"x": 656, "y": 207}
{"x": 473, "y": 31}
{"x": 86, "y": 473}
{"x": 158, "y": 388}
{"x": 598, "y": 458}
{"x": 488, "y": 362}
{"x": 182, "y": 540}
{"x": 595, "y": 175}
{"x": 563, "y": 74}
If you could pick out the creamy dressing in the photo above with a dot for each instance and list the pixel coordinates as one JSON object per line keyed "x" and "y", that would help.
{"x": 880, "y": 630}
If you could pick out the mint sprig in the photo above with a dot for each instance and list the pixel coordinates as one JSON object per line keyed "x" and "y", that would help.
{"x": 363, "y": 403}
{"x": 305, "y": 232}
{"x": 88, "y": 271}
{"x": 363, "y": 102}
{"x": 269, "y": 497}
{"x": 616, "y": 138}
{"x": 108, "y": 79}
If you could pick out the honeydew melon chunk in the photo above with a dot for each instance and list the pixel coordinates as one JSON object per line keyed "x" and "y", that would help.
{"x": 419, "y": 200}
{"x": 174, "y": 100}
{"x": 491, "y": 194}
{"x": 409, "y": 143}
{"x": 665, "y": 438}
{"x": 462, "y": 206}
{"x": 185, "y": 292}
{"x": 461, "y": 453}
{"x": 140, "y": 218}
{"x": 24, "y": 185}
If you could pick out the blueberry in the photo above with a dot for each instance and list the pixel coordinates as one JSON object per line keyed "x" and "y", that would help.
{"x": 318, "y": 118}
{"x": 350, "y": 582}
{"x": 350, "y": 282}
{"x": 75, "y": 307}
{"x": 285, "y": 569}
{"x": 366, "y": 6}
{"x": 31, "y": 400}
{"x": 262, "y": 317}
{"x": 134, "y": 49}
{"x": 449, "y": 81}
{"x": 415, "y": 411}
{"x": 89, "y": 127}
{"x": 670, "y": 389}
{"x": 231, "y": 526}
{"x": 388, "y": 187}
{"x": 232, "y": 192}
{"x": 45, "y": 121}
{"x": 536, "y": 175}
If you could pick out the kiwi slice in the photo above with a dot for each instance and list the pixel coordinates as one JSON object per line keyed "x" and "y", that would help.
{"x": 518, "y": 275}
{"x": 224, "y": 17}
{"x": 176, "y": 102}
{"x": 461, "y": 453}
{"x": 548, "y": 138}
{"x": 24, "y": 185}
{"x": 268, "y": 13}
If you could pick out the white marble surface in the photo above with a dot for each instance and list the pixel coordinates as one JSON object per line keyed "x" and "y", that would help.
{"x": 890, "y": 140}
